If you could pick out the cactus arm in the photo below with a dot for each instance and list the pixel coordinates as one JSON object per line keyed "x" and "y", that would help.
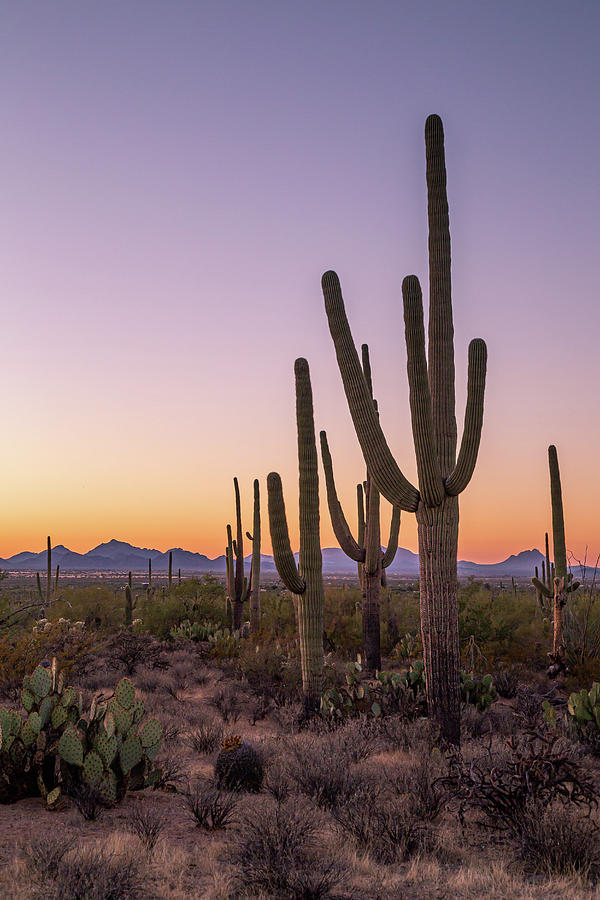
{"x": 378, "y": 456}
{"x": 558, "y": 522}
{"x": 249, "y": 536}
{"x": 239, "y": 544}
{"x": 255, "y": 566}
{"x": 392, "y": 544}
{"x": 229, "y": 565}
{"x": 39, "y": 586}
{"x": 280, "y": 539}
{"x": 56, "y": 579}
{"x": 428, "y": 467}
{"x": 469, "y": 446}
{"x": 366, "y": 367}
{"x": 542, "y": 588}
{"x": 441, "y": 328}
{"x": 336, "y": 513}
{"x": 548, "y": 579}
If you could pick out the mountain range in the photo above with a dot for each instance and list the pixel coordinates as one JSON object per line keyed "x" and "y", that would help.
{"x": 119, "y": 556}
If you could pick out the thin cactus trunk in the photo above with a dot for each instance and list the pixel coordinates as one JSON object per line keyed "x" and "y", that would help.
{"x": 442, "y": 476}
{"x": 255, "y": 571}
{"x": 306, "y": 579}
{"x": 170, "y": 569}
{"x": 49, "y": 595}
{"x": 149, "y": 577}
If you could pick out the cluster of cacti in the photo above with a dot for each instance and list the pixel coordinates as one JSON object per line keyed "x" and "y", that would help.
{"x": 442, "y": 476}
{"x": 556, "y": 583}
{"x": 238, "y": 765}
{"x": 584, "y": 707}
{"x": 305, "y": 580}
{"x": 201, "y": 631}
{"x": 56, "y": 748}
{"x": 366, "y": 550}
{"x": 390, "y": 691}
{"x": 479, "y": 692}
{"x": 239, "y": 588}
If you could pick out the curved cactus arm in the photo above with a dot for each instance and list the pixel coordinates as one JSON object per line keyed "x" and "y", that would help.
{"x": 392, "y": 544}
{"x": 441, "y": 327}
{"x": 249, "y": 536}
{"x": 542, "y": 588}
{"x": 469, "y": 446}
{"x": 428, "y": 465}
{"x": 558, "y": 522}
{"x": 373, "y": 533}
{"x": 338, "y": 520}
{"x": 378, "y": 456}
{"x": 548, "y": 578}
{"x": 280, "y": 538}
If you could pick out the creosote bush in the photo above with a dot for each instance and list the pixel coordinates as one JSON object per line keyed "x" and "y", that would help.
{"x": 277, "y": 852}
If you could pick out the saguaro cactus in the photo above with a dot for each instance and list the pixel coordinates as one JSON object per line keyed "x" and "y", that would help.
{"x": 130, "y": 602}
{"x": 442, "y": 477}
{"x": 50, "y": 594}
{"x": 561, "y": 583}
{"x": 255, "y": 570}
{"x": 239, "y": 588}
{"x": 366, "y": 551}
{"x": 306, "y": 579}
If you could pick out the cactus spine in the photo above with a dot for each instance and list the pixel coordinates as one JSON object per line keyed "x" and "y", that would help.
{"x": 306, "y": 579}
{"x": 255, "y": 570}
{"x": 560, "y": 584}
{"x": 442, "y": 476}
{"x": 366, "y": 551}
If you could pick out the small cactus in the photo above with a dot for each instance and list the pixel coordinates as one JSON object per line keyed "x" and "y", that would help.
{"x": 238, "y": 765}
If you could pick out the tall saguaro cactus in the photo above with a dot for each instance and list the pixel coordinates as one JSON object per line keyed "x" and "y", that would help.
{"x": 306, "y": 579}
{"x": 255, "y": 570}
{"x": 441, "y": 475}
{"x": 366, "y": 551}
{"x": 559, "y": 584}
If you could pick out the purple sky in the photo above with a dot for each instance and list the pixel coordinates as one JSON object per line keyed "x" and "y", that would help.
{"x": 175, "y": 179}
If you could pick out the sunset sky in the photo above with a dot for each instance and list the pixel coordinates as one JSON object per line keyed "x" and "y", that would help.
{"x": 176, "y": 177}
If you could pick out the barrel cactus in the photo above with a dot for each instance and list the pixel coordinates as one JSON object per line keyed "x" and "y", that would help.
{"x": 238, "y": 765}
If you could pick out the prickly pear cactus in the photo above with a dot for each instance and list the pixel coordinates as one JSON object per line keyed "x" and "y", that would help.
{"x": 238, "y": 765}
{"x": 53, "y": 747}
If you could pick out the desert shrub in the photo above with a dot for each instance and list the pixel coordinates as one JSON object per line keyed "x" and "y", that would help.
{"x": 126, "y": 650}
{"x": 170, "y": 772}
{"x": 529, "y": 769}
{"x": 148, "y": 825}
{"x": 507, "y": 683}
{"x": 195, "y": 599}
{"x": 210, "y": 807}
{"x": 239, "y": 765}
{"x": 227, "y": 701}
{"x": 97, "y": 875}
{"x": 43, "y": 854}
{"x": 272, "y": 669}
{"x": 207, "y": 736}
{"x": 277, "y": 781}
{"x": 382, "y": 825}
{"x": 319, "y": 774}
{"x": 87, "y": 800}
{"x": 475, "y": 723}
{"x": 423, "y": 787}
{"x": 277, "y": 852}
{"x": 19, "y": 654}
{"x": 559, "y": 841}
